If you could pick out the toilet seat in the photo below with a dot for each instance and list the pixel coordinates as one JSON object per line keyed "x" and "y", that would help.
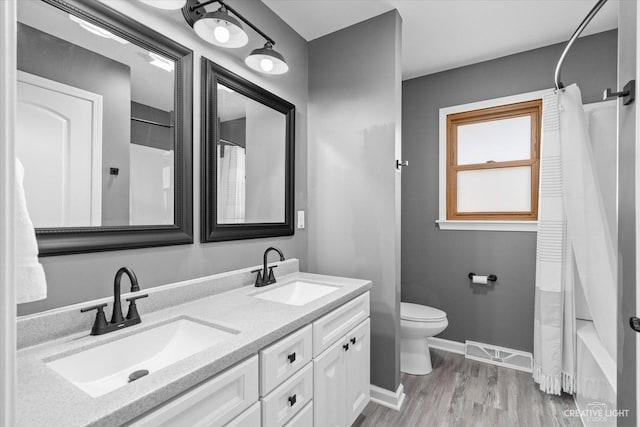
{"x": 421, "y": 313}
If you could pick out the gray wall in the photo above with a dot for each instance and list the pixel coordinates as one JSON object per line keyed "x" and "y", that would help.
{"x": 76, "y": 278}
{"x": 354, "y": 189}
{"x": 627, "y": 231}
{"x": 435, "y": 263}
{"x": 234, "y": 131}
{"x": 265, "y": 164}
{"x": 148, "y": 134}
{"x": 47, "y": 56}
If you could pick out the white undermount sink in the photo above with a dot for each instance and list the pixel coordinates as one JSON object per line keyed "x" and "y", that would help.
{"x": 104, "y": 368}
{"x": 296, "y": 293}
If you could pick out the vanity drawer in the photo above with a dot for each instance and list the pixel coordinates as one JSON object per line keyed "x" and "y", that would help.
{"x": 214, "y": 403}
{"x": 335, "y": 325}
{"x": 281, "y": 360}
{"x": 249, "y": 418}
{"x": 283, "y": 403}
{"x": 304, "y": 417}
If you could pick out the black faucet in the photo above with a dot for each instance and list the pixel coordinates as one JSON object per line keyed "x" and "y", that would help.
{"x": 264, "y": 278}
{"x": 101, "y": 326}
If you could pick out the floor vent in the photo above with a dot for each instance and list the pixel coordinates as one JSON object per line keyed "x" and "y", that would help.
{"x": 500, "y": 356}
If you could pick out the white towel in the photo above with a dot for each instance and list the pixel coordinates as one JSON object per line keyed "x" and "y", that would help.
{"x": 31, "y": 283}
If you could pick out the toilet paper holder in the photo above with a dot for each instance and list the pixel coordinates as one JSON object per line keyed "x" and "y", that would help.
{"x": 490, "y": 278}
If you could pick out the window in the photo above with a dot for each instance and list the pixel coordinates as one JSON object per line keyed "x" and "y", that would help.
{"x": 489, "y": 161}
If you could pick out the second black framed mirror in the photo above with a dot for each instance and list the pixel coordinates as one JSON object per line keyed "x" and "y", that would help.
{"x": 247, "y": 159}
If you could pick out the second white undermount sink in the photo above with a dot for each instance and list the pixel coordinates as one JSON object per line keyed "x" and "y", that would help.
{"x": 104, "y": 368}
{"x": 296, "y": 293}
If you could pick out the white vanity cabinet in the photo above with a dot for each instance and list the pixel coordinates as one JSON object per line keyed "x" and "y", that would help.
{"x": 315, "y": 376}
{"x": 341, "y": 388}
{"x": 214, "y": 403}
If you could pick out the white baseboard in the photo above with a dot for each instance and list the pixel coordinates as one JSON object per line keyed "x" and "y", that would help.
{"x": 387, "y": 398}
{"x": 447, "y": 345}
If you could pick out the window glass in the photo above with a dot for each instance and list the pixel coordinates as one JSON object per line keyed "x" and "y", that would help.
{"x": 497, "y": 140}
{"x": 495, "y": 190}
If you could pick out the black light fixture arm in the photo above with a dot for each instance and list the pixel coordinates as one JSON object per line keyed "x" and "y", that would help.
{"x": 237, "y": 14}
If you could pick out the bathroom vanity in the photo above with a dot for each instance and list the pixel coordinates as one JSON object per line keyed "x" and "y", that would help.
{"x": 280, "y": 356}
{"x": 326, "y": 364}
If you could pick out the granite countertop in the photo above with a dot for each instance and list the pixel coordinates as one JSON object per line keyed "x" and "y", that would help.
{"x": 46, "y": 399}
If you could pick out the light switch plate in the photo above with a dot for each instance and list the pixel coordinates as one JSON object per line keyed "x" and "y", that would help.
{"x": 300, "y": 219}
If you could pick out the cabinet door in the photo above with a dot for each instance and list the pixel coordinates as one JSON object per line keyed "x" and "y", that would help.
{"x": 328, "y": 387}
{"x": 211, "y": 404}
{"x": 249, "y": 418}
{"x": 357, "y": 371}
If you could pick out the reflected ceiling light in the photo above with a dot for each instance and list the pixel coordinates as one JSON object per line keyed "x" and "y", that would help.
{"x": 222, "y": 29}
{"x": 161, "y": 62}
{"x": 165, "y": 4}
{"x": 226, "y": 89}
{"x": 266, "y": 60}
{"x": 98, "y": 31}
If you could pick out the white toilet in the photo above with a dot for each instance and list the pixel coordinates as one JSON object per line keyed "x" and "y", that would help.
{"x": 417, "y": 323}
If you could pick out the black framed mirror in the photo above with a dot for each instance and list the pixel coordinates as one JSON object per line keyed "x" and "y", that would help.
{"x": 247, "y": 159}
{"x": 103, "y": 129}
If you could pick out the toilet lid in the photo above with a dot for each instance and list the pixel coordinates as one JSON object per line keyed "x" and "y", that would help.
{"x": 420, "y": 313}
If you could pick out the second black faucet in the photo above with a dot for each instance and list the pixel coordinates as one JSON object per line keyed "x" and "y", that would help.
{"x": 264, "y": 278}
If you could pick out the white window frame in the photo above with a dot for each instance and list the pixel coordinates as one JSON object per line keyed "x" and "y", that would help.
{"x": 482, "y": 225}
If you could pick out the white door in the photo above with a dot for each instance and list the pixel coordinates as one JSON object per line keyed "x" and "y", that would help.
{"x": 632, "y": 129}
{"x": 357, "y": 371}
{"x": 328, "y": 387}
{"x": 59, "y": 142}
{"x": 628, "y": 366}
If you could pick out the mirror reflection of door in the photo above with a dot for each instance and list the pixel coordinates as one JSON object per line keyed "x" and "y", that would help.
{"x": 250, "y": 160}
{"x": 59, "y": 135}
{"x": 95, "y": 124}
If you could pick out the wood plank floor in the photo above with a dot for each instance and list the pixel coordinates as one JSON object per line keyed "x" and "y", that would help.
{"x": 463, "y": 392}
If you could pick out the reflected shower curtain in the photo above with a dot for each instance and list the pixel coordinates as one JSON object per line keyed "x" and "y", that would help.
{"x": 574, "y": 243}
{"x": 231, "y": 184}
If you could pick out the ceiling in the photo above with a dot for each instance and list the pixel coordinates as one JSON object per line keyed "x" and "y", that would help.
{"x": 439, "y": 35}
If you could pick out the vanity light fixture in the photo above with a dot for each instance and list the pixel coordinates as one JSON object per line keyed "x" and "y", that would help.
{"x": 165, "y": 4}
{"x": 222, "y": 29}
{"x": 98, "y": 31}
{"x": 266, "y": 60}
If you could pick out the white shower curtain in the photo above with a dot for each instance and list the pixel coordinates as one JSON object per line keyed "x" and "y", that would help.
{"x": 574, "y": 243}
{"x": 554, "y": 320}
{"x": 231, "y": 184}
